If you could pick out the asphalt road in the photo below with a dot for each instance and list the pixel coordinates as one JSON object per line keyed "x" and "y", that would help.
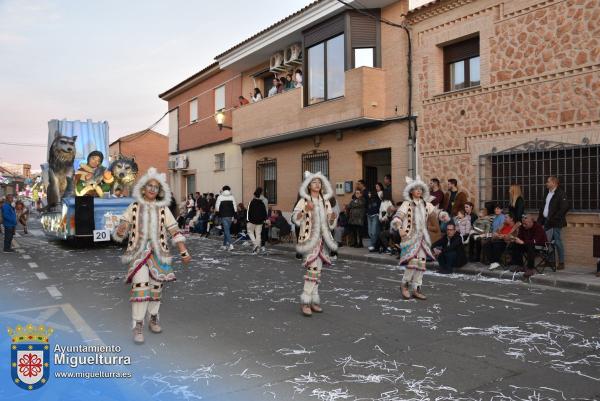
{"x": 233, "y": 330}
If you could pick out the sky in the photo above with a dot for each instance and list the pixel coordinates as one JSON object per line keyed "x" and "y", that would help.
{"x": 109, "y": 60}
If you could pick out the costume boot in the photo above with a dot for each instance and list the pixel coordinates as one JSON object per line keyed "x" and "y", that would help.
{"x": 418, "y": 294}
{"x": 316, "y": 308}
{"x": 306, "y": 310}
{"x": 153, "y": 325}
{"x": 405, "y": 292}
{"x": 138, "y": 335}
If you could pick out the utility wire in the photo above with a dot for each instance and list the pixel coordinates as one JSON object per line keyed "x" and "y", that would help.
{"x": 23, "y": 144}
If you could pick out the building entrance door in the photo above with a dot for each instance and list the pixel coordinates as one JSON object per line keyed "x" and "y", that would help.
{"x": 190, "y": 181}
{"x": 376, "y": 164}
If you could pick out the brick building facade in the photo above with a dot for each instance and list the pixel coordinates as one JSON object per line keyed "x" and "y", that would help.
{"x": 534, "y": 109}
{"x": 503, "y": 92}
{"x": 202, "y": 155}
{"x": 148, "y": 148}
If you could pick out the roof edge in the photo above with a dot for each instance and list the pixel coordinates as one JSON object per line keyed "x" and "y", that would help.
{"x": 204, "y": 73}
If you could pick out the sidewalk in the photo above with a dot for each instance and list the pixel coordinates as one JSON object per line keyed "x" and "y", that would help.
{"x": 574, "y": 278}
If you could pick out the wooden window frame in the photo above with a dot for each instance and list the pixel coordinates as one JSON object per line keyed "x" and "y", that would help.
{"x": 464, "y": 50}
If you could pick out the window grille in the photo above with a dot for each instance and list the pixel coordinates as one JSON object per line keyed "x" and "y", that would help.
{"x": 529, "y": 165}
{"x": 220, "y": 162}
{"x": 266, "y": 178}
{"x": 314, "y": 162}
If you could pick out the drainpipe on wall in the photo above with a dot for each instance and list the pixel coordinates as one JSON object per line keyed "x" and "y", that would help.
{"x": 412, "y": 128}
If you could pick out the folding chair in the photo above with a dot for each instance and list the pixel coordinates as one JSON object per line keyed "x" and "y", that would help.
{"x": 546, "y": 253}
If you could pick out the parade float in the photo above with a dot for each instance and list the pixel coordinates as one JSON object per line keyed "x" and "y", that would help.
{"x": 84, "y": 191}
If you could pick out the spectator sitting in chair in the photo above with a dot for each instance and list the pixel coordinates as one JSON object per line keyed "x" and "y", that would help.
{"x": 498, "y": 219}
{"x": 482, "y": 228}
{"x": 530, "y": 234}
{"x": 463, "y": 224}
{"x": 449, "y": 250}
{"x": 500, "y": 239}
{"x": 280, "y": 227}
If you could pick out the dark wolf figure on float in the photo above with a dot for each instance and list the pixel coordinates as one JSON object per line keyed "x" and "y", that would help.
{"x": 60, "y": 168}
{"x": 124, "y": 171}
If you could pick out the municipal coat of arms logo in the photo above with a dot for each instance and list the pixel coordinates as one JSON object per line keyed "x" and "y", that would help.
{"x": 30, "y": 355}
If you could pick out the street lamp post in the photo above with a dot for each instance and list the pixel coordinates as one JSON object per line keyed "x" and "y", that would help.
{"x": 220, "y": 119}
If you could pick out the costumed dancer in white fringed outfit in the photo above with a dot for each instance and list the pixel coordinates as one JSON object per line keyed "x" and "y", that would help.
{"x": 316, "y": 220}
{"x": 149, "y": 223}
{"x": 410, "y": 221}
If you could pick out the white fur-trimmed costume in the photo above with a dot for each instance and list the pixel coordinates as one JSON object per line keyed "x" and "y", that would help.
{"x": 410, "y": 221}
{"x": 149, "y": 224}
{"x": 314, "y": 240}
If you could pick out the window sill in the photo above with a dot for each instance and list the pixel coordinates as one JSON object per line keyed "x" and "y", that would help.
{"x": 458, "y": 91}
{"x": 216, "y": 171}
{"x": 325, "y": 101}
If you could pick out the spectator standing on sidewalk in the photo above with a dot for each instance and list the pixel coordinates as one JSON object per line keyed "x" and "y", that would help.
{"x": 356, "y": 215}
{"x": 226, "y": 208}
{"x": 517, "y": 203}
{"x": 436, "y": 192}
{"x": 22, "y": 215}
{"x": 257, "y": 214}
{"x": 454, "y": 200}
{"x": 9, "y": 221}
{"x": 373, "y": 216}
{"x": 387, "y": 185}
{"x": 553, "y": 215}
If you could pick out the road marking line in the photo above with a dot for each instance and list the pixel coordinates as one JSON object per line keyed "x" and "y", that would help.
{"x": 41, "y": 276}
{"x": 20, "y": 250}
{"x": 389, "y": 279}
{"x": 273, "y": 259}
{"x": 33, "y": 265}
{"x": 26, "y": 257}
{"x": 54, "y": 292}
{"x": 510, "y": 301}
{"x": 36, "y": 232}
{"x": 335, "y": 270}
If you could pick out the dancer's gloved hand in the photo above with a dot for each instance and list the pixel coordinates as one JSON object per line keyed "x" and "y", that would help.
{"x": 310, "y": 206}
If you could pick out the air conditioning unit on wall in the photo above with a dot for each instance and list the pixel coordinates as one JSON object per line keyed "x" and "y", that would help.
{"x": 181, "y": 162}
{"x": 293, "y": 55}
{"x": 276, "y": 62}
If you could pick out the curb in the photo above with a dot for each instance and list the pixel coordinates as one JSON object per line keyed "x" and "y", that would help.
{"x": 538, "y": 279}
{"x": 470, "y": 269}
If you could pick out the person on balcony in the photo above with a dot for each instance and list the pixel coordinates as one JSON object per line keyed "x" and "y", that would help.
{"x": 275, "y": 88}
{"x": 289, "y": 84}
{"x": 257, "y": 96}
{"x": 298, "y": 78}
{"x": 243, "y": 101}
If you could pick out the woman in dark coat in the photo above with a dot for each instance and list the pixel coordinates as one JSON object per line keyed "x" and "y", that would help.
{"x": 356, "y": 216}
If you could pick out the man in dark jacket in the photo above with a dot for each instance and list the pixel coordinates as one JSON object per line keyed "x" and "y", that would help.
{"x": 454, "y": 200}
{"x": 449, "y": 250}
{"x": 226, "y": 208}
{"x": 9, "y": 220}
{"x": 531, "y": 234}
{"x": 257, "y": 214}
{"x": 553, "y": 215}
